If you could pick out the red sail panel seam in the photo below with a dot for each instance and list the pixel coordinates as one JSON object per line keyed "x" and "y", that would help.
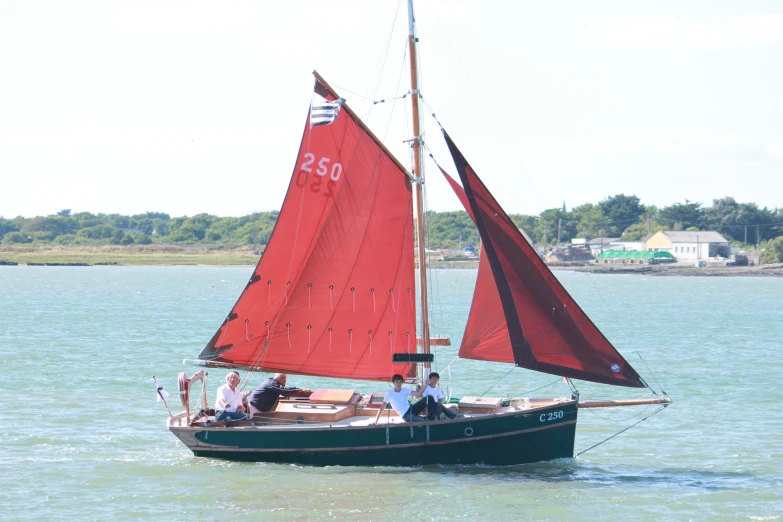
{"x": 396, "y": 314}
{"x": 356, "y": 204}
{"x": 324, "y": 221}
{"x": 374, "y": 181}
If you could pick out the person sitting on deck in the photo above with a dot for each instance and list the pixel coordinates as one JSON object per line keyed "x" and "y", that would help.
{"x": 265, "y": 398}
{"x": 398, "y": 398}
{"x": 230, "y": 401}
{"x": 434, "y": 391}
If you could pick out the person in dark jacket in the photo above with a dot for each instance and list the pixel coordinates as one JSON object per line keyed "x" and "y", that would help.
{"x": 265, "y": 397}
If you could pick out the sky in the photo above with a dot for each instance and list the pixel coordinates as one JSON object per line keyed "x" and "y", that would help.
{"x": 187, "y": 107}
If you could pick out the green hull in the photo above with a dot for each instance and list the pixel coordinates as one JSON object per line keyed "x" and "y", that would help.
{"x": 510, "y": 438}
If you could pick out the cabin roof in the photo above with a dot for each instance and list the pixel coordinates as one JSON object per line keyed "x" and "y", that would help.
{"x": 693, "y": 236}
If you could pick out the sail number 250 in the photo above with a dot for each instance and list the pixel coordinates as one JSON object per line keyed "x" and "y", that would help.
{"x": 551, "y": 416}
{"x": 323, "y": 166}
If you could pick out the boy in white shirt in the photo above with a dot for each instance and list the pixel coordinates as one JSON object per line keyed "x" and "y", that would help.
{"x": 398, "y": 398}
{"x": 434, "y": 391}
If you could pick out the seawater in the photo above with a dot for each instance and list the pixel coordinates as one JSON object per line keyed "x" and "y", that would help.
{"x": 82, "y": 438}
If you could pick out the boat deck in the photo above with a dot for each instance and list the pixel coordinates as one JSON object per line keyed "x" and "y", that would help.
{"x": 358, "y": 411}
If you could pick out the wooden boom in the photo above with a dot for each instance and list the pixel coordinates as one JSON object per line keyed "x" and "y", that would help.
{"x": 612, "y": 404}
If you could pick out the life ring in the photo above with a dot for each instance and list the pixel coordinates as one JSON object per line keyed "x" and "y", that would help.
{"x": 184, "y": 389}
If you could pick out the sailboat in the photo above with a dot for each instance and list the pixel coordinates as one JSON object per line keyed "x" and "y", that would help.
{"x": 335, "y": 295}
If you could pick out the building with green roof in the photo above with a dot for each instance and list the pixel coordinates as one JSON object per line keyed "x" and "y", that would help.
{"x": 634, "y": 258}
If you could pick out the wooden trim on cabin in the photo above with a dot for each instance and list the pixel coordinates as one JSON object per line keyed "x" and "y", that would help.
{"x": 246, "y": 425}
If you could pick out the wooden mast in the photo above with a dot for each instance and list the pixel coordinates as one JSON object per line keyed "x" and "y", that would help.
{"x": 418, "y": 173}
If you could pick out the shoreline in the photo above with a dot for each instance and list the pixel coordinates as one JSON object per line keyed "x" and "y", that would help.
{"x": 169, "y": 255}
{"x": 680, "y": 270}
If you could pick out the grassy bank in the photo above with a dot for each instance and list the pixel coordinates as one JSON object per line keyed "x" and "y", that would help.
{"x": 126, "y": 255}
{"x": 178, "y": 256}
{"x": 148, "y": 255}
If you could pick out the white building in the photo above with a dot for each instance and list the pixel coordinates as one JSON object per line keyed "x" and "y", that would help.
{"x": 633, "y": 246}
{"x": 690, "y": 245}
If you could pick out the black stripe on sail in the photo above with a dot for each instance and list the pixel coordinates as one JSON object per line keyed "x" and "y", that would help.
{"x": 324, "y": 115}
{"x": 325, "y": 112}
{"x": 523, "y": 356}
{"x": 327, "y": 106}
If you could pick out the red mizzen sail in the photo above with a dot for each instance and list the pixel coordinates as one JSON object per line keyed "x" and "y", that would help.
{"x": 486, "y": 334}
{"x": 333, "y": 294}
{"x": 520, "y": 311}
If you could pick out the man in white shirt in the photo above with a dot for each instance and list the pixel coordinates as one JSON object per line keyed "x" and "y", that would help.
{"x": 230, "y": 401}
{"x": 434, "y": 391}
{"x": 398, "y": 398}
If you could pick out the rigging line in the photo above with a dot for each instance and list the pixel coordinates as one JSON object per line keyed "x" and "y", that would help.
{"x": 432, "y": 157}
{"x": 349, "y": 91}
{"x": 436, "y": 293}
{"x": 431, "y": 293}
{"x": 448, "y": 371}
{"x": 556, "y": 381}
{"x": 671, "y": 220}
{"x": 622, "y": 431}
{"x": 449, "y": 365}
{"x": 497, "y": 126}
{"x": 625, "y": 334}
{"x": 439, "y": 300}
{"x": 597, "y": 222}
{"x": 381, "y": 63}
{"x": 426, "y": 228}
{"x": 490, "y": 388}
{"x": 432, "y": 112}
{"x": 653, "y": 374}
{"x": 433, "y": 279}
{"x": 394, "y": 101}
{"x": 384, "y": 100}
{"x": 373, "y": 100}
{"x": 399, "y": 81}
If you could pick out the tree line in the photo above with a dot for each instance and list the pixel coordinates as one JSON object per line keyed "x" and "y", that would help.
{"x": 616, "y": 216}
{"x": 85, "y": 228}
{"x": 623, "y": 216}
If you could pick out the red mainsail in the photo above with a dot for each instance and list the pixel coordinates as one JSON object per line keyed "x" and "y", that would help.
{"x": 520, "y": 311}
{"x": 333, "y": 294}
